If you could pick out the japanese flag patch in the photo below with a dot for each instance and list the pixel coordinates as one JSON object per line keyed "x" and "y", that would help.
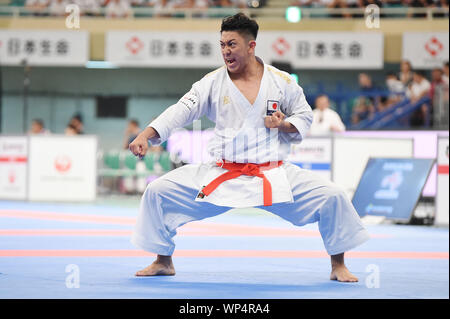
{"x": 272, "y": 107}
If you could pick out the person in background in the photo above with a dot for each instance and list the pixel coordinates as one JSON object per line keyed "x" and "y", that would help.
{"x": 419, "y": 88}
{"x": 365, "y": 106}
{"x": 406, "y": 74}
{"x": 437, "y": 80}
{"x": 118, "y": 9}
{"x": 325, "y": 120}
{"x": 445, "y": 71}
{"x": 37, "y": 127}
{"x": 37, "y": 6}
{"x": 89, "y": 7}
{"x": 70, "y": 130}
{"x": 76, "y": 125}
{"x": 131, "y": 132}
{"x": 58, "y": 7}
{"x": 396, "y": 90}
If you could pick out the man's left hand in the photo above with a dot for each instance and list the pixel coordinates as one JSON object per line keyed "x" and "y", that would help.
{"x": 275, "y": 120}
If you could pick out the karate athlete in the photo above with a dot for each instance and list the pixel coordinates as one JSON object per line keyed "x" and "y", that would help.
{"x": 258, "y": 110}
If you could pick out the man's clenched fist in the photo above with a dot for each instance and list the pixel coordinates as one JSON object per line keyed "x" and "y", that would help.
{"x": 139, "y": 146}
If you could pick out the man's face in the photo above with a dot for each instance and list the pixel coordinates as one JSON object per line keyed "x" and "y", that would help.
{"x": 236, "y": 50}
{"x": 436, "y": 75}
{"x": 36, "y": 127}
{"x": 322, "y": 103}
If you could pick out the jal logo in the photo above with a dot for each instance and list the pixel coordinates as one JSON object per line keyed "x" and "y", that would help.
{"x": 62, "y": 163}
{"x": 434, "y": 46}
{"x": 281, "y": 46}
{"x": 134, "y": 45}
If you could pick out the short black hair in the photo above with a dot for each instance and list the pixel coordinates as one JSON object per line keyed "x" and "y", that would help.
{"x": 241, "y": 24}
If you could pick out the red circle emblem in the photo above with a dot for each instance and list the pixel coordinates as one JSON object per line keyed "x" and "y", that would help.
{"x": 62, "y": 163}
{"x": 274, "y": 105}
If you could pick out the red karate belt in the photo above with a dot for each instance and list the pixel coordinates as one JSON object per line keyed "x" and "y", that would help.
{"x": 237, "y": 169}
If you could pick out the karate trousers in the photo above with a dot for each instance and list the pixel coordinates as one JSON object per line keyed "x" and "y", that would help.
{"x": 169, "y": 202}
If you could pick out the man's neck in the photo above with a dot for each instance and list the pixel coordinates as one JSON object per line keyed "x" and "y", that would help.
{"x": 253, "y": 70}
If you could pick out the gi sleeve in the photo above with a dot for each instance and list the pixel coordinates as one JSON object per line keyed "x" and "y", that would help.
{"x": 192, "y": 106}
{"x": 298, "y": 113}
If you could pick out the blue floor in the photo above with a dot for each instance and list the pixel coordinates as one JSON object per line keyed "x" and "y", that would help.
{"x": 216, "y": 277}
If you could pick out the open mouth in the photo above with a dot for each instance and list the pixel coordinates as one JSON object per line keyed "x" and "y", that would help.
{"x": 230, "y": 61}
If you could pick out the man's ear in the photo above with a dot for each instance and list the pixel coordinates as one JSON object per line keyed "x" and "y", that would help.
{"x": 252, "y": 44}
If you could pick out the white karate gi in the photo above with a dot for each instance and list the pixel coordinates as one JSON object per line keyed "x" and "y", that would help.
{"x": 298, "y": 195}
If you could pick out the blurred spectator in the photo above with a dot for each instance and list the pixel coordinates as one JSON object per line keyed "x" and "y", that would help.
{"x": 396, "y": 90}
{"x": 303, "y": 3}
{"x": 118, "y": 9}
{"x": 325, "y": 120}
{"x": 406, "y": 73}
{"x": 242, "y": 4}
{"x": 76, "y": 124}
{"x": 131, "y": 132}
{"x": 37, "y": 6}
{"x": 419, "y": 4}
{"x": 445, "y": 71}
{"x": 37, "y": 127}
{"x": 437, "y": 80}
{"x": 160, "y": 5}
{"x": 365, "y": 106}
{"x": 58, "y": 7}
{"x": 89, "y": 7}
{"x": 142, "y": 3}
{"x": 70, "y": 130}
{"x": 419, "y": 88}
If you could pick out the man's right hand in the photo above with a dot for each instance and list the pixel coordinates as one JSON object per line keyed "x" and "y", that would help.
{"x": 139, "y": 146}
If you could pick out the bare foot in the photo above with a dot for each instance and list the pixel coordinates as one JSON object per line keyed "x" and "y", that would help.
{"x": 342, "y": 274}
{"x": 162, "y": 266}
{"x": 339, "y": 271}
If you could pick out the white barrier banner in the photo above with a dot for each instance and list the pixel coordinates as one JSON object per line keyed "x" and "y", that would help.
{"x": 44, "y": 47}
{"x": 163, "y": 49}
{"x": 13, "y": 167}
{"x": 323, "y": 50}
{"x": 425, "y": 50}
{"x": 442, "y": 212}
{"x": 313, "y": 154}
{"x": 313, "y": 50}
{"x": 63, "y": 168}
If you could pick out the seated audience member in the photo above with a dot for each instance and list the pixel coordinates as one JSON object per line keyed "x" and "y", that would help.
{"x": 89, "y": 7}
{"x": 37, "y": 6}
{"x": 76, "y": 122}
{"x": 406, "y": 73}
{"x": 437, "y": 80}
{"x": 37, "y": 127}
{"x": 57, "y": 8}
{"x": 325, "y": 120}
{"x": 445, "y": 71}
{"x": 71, "y": 130}
{"x": 396, "y": 90}
{"x": 419, "y": 88}
{"x": 131, "y": 132}
{"x": 118, "y": 9}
